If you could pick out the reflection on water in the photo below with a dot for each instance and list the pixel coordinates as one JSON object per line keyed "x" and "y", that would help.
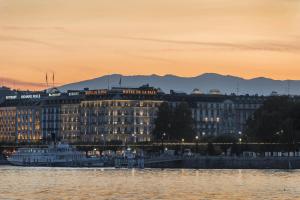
{"x": 89, "y": 183}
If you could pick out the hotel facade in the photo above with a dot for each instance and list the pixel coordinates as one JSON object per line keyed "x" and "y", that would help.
{"x": 118, "y": 114}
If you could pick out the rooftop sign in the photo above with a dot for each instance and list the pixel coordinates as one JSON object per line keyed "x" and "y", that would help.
{"x": 11, "y": 97}
{"x": 96, "y": 92}
{"x": 73, "y": 93}
{"x": 30, "y": 96}
{"x": 139, "y": 92}
{"x": 24, "y": 96}
{"x": 54, "y": 94}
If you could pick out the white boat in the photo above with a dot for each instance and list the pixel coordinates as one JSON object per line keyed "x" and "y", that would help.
{"x": 55, "y": 155}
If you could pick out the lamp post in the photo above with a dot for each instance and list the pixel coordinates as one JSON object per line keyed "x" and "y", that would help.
{"x": 162, "y": 141}
{"x": 197, "y": 140}
{"x": 103, "y": 139}
{"x": 240, "y": 136}
{"x": 202, "y": 136}
{"x": 182, "y": 141}
{"x": 240, "y": 140}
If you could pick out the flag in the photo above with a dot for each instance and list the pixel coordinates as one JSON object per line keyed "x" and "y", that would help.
{"x": 120, "y": 81}
{"x": 53, "y": 78}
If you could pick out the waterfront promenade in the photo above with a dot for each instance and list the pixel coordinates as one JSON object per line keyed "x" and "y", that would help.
{"x": 200, "y": 157}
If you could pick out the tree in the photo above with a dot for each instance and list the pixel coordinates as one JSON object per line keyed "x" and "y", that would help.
{"x": 276, "y": 121}
{"x": 182, "y": 125}
{"x": 163, "y": 121}
{"x": 177, "y": 123}
{"x": 267, "y": 120}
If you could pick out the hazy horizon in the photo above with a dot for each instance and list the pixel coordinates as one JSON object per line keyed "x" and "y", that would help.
{"x": 13, "y": 84}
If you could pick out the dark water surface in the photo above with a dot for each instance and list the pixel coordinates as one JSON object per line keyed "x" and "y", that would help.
{"x": 119, "y": 184}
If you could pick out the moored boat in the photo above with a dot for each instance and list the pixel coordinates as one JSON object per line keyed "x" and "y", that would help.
{"x": 54, "y": 155}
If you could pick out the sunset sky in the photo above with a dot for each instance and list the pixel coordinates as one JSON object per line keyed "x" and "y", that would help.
{"x": 84, "y": 39}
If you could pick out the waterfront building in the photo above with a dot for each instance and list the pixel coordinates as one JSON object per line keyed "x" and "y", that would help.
{"x": 70, "y": 121}
{"x": 126, "y": 120}
{"x": 61, "y": 115}
{"x": 20, "y": 118}
{"x": 28, "y": 123}
{"x": 213, "y": 114}
{"x": 117, "y": 114}
{"x": 125, "y": 114}
{"x": 50, "y": 118}
{"x": 245, "y": 106}
{"x": 8, "y": 124}
{"x": 216, "y": 114}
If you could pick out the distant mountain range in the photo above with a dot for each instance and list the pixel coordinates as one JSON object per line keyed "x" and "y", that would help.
{"x": 205, "y": 82}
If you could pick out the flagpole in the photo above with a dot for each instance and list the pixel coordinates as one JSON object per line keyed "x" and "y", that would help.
{"x": 120, "y": 81}
{"x": 108, "y": 80}
{"x": 47, "y": 80}
{"x": 53, "y": 79}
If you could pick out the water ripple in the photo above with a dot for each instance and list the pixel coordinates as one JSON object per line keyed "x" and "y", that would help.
{"x": 169, "y": 184}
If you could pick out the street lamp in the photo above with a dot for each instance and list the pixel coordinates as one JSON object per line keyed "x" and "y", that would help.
{"x": 197, "y": 139}
{"x": 162, "y": 140}
{"x": 182, "y": 141}
{"x": 103, "y": 139}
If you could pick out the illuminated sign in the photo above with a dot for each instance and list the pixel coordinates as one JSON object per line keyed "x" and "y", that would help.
{"x": 54, "y": 94}
{"x": 10, "y": 97}
{"x": 141, "y": 92}
{"x": 96, "y": 92}
{"x": 30, "y": 96}
{"x": 73, "y": 93}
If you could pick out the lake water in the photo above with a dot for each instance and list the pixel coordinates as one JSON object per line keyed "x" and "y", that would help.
{"x": 88, "y": 183}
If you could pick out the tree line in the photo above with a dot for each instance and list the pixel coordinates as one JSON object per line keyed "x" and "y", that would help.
{"x": 276, "y": 121}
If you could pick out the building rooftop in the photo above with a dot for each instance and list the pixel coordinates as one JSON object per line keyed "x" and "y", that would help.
{"x": 145, "y": 92}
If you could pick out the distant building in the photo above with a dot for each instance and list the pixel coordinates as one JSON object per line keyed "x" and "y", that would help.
{"x": 215, "y": 91}
{"x": 196, "y": 91}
